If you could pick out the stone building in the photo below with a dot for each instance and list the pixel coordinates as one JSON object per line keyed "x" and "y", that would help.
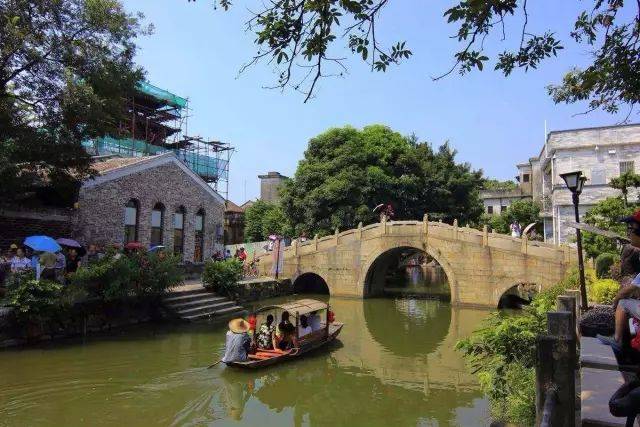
{"x": 269, "y": 186}
{"x": 601, "y": 153}
{"x": 154, "y": 200}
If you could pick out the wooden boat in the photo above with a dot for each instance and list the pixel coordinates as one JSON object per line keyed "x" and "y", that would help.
{"x": 328, "y": 332}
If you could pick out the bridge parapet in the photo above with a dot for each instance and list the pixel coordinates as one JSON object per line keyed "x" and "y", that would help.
{"x": 434, "y": 230}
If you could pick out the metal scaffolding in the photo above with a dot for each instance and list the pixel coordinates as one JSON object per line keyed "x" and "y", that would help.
{"x": 155, "y": 122}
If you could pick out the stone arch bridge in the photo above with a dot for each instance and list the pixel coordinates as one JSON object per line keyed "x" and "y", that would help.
{"x": 480, "y": 266}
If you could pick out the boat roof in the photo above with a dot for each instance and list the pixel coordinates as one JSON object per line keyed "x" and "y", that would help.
{"x": 300, "y": 306}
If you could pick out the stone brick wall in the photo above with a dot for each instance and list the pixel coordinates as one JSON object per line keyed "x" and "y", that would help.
{"x": 101, "y": 208}
{"x": 17, "y": 224}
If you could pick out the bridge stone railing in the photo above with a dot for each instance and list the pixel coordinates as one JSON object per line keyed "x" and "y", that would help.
{"x": 437, "y": 230}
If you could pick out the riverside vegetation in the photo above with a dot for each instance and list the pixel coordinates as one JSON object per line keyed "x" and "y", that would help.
{"x": 103, "y": 290}
{"x": 503, "y": 352}
{"x": 220, "y": 276}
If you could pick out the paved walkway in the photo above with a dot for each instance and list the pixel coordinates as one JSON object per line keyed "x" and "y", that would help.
{"x": 600, "y": 377}
{"x": 188, "y": 285}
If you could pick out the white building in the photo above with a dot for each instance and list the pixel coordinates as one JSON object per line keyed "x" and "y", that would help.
{"x": 601, "y": 153}
{"x": 497, "y": 201}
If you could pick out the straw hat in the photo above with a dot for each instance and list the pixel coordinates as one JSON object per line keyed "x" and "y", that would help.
{"x": 238, "y": 326}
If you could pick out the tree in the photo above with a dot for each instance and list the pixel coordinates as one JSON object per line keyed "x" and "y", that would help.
{"x": 65, "y": 67}
{"x": 605, "y": 215}
{"x": 301, "y": 36}
{"x": 624, "y": 182}
{"x": 262, "y": 219}
{"x": 346, "y": 172}
{"x": 523, "y": 211}
{"x": 495, "y": 184}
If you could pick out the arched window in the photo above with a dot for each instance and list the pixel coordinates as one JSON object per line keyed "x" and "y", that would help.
{"x": 178, "y": 230}
{"x": 157, "y": 224}
{"x": 131, "y": 210}
{"x": 198, "y": 254}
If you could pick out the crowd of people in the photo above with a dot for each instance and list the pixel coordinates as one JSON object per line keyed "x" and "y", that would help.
{"x": 242, "y": 339}
{"x": 56, "y": 266}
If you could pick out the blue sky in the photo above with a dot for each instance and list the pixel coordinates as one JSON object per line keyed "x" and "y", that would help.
{"x": 493, "y": 122}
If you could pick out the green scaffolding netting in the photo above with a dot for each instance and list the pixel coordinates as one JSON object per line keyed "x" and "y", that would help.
{"x": 161, "y": 94}
{"x": 208, "y": 167}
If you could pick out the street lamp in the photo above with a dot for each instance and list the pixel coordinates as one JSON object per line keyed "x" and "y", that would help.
{"x": 575, "y": 182}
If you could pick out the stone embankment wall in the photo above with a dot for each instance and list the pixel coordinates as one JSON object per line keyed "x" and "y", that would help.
{"x": 80, "y": 320}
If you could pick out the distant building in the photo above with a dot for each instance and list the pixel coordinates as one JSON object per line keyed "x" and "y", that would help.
{"x": 269, "y": 186}
{"x": 246, "y": 205}
{"x": 233, "y": 224}
{"x": 601, "y": 153}
{"x": 497, "y": 201}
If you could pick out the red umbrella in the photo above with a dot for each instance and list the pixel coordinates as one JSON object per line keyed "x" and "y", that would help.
{"x": 134, "y": 245}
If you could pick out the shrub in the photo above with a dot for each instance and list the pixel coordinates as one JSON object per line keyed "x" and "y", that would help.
{"x": 603, "y": 264}
{"x": 33, "y": 299}
{"x": 603, "y": 291}
{"x": 109, "y": 278}
{"x": 220, "y": 275}
{"x": 503, "y": 353}
{"x": 155, "y": 273}
{"x": 546, "y": 300}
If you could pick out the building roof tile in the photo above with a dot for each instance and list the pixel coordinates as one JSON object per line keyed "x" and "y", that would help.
{"x": 232, "y": 207}
{"x": 113, "y": 163}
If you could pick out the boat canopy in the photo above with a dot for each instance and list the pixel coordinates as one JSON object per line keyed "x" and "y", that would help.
{"x": 301, "y": 306}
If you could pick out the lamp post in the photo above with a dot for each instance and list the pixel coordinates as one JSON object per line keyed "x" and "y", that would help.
{"x": 575, "y": 182}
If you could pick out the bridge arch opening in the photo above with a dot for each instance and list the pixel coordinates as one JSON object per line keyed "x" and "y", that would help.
{"x": 310, "y": 283}
{"x": 407, "y": 271}
{"x": 518, "y": 296}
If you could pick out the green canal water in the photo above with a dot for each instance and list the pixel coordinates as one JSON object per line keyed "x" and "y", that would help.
{"x": 394, "y": 365}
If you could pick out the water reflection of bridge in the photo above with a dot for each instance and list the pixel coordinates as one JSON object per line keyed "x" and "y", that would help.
{"x": 412, "y": 346}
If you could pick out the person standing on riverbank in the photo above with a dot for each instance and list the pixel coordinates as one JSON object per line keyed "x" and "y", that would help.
{"x": 19, "y": 262}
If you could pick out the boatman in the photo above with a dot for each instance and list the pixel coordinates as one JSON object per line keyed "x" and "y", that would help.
{"x": 237, "y": 341}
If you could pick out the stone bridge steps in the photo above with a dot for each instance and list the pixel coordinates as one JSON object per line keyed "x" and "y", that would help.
{"x": 193, "y": 302}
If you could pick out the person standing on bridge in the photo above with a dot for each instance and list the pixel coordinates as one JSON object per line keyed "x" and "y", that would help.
{"x": 516, "y": 230}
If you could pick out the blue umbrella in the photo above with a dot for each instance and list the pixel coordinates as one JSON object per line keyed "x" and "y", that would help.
{"x": 42, "y": 243}
{"x": 156, "y": 248}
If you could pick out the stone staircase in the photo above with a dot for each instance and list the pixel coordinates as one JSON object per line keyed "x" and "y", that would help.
{"x": 193, "y": 302}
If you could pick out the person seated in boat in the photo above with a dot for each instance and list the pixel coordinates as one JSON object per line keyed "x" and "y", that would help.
{"x": 237, "y": 342}
{"x": 265, "y": 334}
{"x": 305, "y": 327}
{"x": 314, "y": 321}
{"x": 285, "y": 336}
